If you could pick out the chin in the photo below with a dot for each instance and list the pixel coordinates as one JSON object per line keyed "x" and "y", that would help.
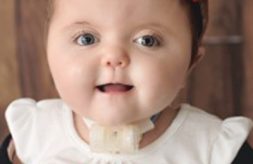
{"x": 111, "y": 121}
{"x": 113, "y": 117}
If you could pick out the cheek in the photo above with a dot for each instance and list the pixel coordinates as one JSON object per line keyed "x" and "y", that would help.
{"x": 74, "y": 79}
{"x": 71, "y": 68}
{"x": 66, "y": 76}
{"x": 161, "y": 80}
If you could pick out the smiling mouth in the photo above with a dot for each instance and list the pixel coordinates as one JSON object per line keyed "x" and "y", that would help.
{"x": 114, "y": 88}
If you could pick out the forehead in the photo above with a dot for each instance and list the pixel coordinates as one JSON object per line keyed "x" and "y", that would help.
{"x": 118, "y": 11}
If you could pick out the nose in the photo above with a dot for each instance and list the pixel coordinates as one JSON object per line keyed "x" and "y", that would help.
{"x": 115, "y": 58}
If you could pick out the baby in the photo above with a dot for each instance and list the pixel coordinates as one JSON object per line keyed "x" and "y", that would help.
{"x": 118, "y": 65}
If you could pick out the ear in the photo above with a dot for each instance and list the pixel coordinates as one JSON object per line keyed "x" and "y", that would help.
{"x": 197, "y": 59}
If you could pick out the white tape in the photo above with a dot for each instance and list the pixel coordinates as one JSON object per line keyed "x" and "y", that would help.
{"x": 121, "y": 139}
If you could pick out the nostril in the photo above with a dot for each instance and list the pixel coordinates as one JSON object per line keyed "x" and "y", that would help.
{"x": 116, "y": 61}
{"x": 108, "y": 63}
{"x": 114, "y": 64}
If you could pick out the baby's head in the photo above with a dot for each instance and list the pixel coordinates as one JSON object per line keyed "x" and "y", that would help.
{"x": 117, "y": 62}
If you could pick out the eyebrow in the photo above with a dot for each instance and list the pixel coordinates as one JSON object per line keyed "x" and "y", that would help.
{"x": 156, "y": 25}
{"x": 77, "y": 23}
{"x": 81, "y": 23}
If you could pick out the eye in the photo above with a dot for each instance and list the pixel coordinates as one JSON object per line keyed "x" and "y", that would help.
{"x": 86, "y": 39}
{"x": 148, "y": 41}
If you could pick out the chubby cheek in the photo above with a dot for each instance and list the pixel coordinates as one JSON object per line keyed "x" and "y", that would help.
{"x": 74, "y": 80}
{"x": 160, "y": 82}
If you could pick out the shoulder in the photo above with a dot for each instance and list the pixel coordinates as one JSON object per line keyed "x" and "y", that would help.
{"x": 30, "y": 121}
{"x": 233, "y": 133}
{"x": 199, "y": 114}
{"x": 204, "y": 124}
{"x": 236, "y": 124}
{"x": 225, "y": 137}
{"x": 25, "y": 113}
{"x": 24, "y": 109}
{"x": 29, "y": 103}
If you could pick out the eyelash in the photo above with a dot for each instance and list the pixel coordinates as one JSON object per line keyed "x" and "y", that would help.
{"x": 155, "y": 38}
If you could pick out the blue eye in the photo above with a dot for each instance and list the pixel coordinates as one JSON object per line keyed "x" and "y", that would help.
{"x": 86, "y": 39}
{"x": 148, "y": 41}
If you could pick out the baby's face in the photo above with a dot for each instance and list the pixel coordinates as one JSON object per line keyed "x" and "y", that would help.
{"x": 119, "y": 61}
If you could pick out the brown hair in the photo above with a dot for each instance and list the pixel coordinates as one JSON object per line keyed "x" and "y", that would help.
{"x": 198, "y": 14}
{"x": 198, "y": 18}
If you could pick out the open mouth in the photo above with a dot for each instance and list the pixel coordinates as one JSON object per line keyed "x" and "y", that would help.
{"x": 112, "y": 88}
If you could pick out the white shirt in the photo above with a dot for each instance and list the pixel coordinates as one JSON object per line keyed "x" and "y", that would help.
{"x": 44, "y": 133}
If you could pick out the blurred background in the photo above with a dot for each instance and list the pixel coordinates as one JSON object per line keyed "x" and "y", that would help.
{"x": 222, "y": 84}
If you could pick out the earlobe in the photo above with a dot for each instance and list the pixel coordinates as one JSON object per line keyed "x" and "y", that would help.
{"x": 198, "y": 57}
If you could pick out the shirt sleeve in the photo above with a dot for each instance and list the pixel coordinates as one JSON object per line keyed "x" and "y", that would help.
{"x": 232, "y": 135}
{"x": 20, "y": 120}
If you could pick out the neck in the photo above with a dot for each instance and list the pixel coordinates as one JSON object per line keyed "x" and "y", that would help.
{"x": 163, "y": 121}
